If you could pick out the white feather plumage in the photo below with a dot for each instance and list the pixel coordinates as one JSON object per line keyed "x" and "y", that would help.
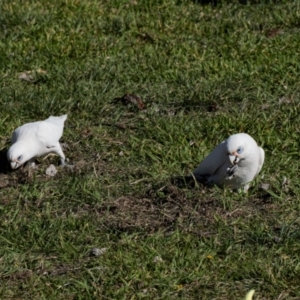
{"x": 35, "y": 139}
{"x": 233, "y": 163}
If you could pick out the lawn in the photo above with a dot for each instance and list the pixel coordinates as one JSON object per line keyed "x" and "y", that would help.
{"x": 117, "y": 226}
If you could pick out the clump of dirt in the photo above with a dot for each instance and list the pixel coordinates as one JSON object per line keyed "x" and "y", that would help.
{"x": 131, "y": 99}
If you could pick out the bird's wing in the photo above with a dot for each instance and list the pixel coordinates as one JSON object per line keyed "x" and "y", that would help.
{"x": 15, "y": 136}
{"x": 216, "y": 159}
{"x": 25, "y": 132}
{"x": 261, "y": 159}
{"x": 48, "y": 133}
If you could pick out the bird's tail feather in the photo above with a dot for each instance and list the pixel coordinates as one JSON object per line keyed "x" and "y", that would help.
{"x": 57, "y": 120}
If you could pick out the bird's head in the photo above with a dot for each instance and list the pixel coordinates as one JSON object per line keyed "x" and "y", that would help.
{"x": 17, "y": 155}
{"x": 239, "y": 147}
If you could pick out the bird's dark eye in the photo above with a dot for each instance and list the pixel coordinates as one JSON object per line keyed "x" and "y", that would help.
{"x": 240, "y": 150}
{"x": 20, "y": 157}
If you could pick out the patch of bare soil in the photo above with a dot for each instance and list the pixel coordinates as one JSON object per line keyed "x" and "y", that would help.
{"x": 54, "y": 271}
{"x": 185, "y": 205}
{"x": 162, "y": 209}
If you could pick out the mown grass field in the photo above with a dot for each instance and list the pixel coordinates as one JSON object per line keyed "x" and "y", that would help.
{"x": 204, "y": 72}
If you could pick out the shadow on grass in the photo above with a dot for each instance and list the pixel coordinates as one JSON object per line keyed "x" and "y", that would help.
{"x": 189, "y": 181}
{"x": 9, "y": 177}
{"x": 184, "y": 181}
{"x": 5, "y": 170}
{"x": 4, "y": 164}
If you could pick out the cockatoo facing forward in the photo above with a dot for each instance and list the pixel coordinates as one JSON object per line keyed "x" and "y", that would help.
{"x": 233, "y": 163}
{"x": 35, "y": 139}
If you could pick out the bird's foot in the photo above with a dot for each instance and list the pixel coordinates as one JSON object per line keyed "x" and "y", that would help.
{"x": 65, "y": 165}
{"x": 231, "y": 171}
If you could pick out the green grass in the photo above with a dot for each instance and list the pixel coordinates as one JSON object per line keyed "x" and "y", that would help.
{"x": 204, "y": 73}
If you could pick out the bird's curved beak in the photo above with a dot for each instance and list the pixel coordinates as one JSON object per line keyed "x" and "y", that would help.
{"x": 234, "y": 158}
{"x": 14, "y": 165}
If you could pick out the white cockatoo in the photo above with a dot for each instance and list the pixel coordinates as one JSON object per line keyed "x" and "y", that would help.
{"x": 35, "y": 139}
{"x": 233, "y": 163}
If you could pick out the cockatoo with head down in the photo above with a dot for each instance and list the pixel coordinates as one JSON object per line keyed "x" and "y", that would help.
{"x": 233, "y": 163}
{"x": 35, "y": 139}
